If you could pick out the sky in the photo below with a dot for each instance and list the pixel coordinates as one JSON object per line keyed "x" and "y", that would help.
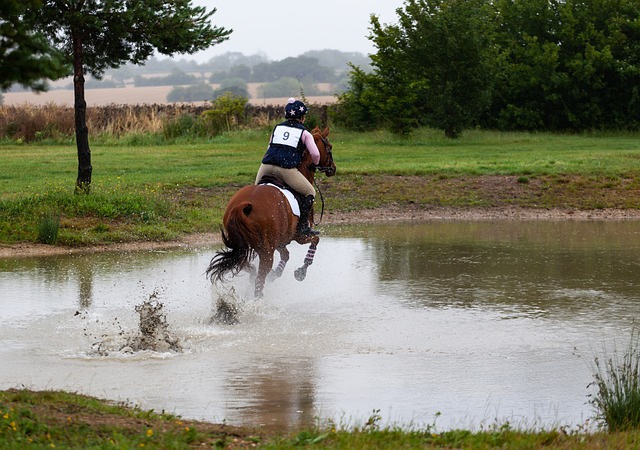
{"x": 282, "y": 29}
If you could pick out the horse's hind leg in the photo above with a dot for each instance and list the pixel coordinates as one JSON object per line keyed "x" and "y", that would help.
{"x": 266, "y": 262}
{"x": 301, "y": 272}
{"x": 284, "y": 258}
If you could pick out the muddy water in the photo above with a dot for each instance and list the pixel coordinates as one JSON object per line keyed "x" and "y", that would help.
{"x": 464, "y": 324}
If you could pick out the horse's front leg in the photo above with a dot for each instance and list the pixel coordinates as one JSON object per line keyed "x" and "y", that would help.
{"x": 301, "y": 272}
{"x": 266, "y": 262}
{"x": 284, "y": 258}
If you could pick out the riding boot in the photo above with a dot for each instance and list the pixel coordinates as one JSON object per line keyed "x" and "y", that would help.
{"x": 303, "y": 224}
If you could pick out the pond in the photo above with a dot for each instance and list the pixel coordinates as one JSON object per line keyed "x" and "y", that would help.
{"x": 461, "y": 324}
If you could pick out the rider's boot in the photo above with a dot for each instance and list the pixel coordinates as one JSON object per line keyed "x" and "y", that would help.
{"x": 303, "y": 224}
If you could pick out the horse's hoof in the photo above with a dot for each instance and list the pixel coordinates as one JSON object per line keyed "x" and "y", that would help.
{"x": 274, "y": 274}
{"x": 300, "y": 273}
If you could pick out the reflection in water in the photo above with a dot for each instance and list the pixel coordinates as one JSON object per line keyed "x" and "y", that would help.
{"x": 85, "y": 285}
{"x": 470, "y": 319}
{"x": 265, "y": 382}
{"x": 555, "y": 269}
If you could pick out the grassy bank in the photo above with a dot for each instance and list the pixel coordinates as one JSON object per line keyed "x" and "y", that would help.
{"x": 53, "y": 419}
{"x": 143, "y": 190}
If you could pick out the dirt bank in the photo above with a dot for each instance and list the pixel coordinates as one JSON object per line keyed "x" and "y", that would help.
{"x": 380, "y": 215}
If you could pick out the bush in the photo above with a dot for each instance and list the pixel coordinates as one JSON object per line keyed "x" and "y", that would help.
{"x": 48, "y": 227}
{"x": 227, "y": 112}
{"x": 617, "y": 382}
{"x": 185, "y": 125}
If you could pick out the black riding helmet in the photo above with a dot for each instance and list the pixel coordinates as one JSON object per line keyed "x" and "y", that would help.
{"x": 295, "y": 109}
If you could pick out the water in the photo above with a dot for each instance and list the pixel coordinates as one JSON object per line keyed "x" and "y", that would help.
{"x": 465, "y": 324}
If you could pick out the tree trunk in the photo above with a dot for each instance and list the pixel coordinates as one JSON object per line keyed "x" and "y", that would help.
{"x": 83, "y": 182}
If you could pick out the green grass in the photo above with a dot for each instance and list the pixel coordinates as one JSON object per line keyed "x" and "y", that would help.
{"x": 489, "y": 153}
{"x": 48, "y": 228}
{"x": 159, "y": 192}
{"x": 617, "y": 384}
{"x": 55, "y": 419}
{"x": 234, "y": 157}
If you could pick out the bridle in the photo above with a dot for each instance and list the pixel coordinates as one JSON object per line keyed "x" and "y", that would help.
{"x": 328, "y": 147}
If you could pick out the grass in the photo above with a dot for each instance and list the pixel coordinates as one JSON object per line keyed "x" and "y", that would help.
{"x": 48, "y": 228}
{"x": 152, "y": 191}
{"x": 55, "y": 419}
{"x": 617, "y": 383}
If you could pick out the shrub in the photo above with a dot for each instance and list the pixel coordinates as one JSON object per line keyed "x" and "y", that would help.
{"x": 617, "y": 383}
{"x": 48, "y": 227}
{"x": 226, "y": 113}
{"x": 185, "y": 125}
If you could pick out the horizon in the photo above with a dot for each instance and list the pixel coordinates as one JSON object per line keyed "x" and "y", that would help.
{"x": 261, "y": 27}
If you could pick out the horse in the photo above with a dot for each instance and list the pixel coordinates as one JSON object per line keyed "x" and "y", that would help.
{"x": 259, "y": 221}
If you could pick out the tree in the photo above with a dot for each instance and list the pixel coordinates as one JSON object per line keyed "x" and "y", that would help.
{"x": 599, "y": 55}
{"x": 26, "y": 57}
{"x": 300, "y": 67}
{"x": 528, "y": 67}
{"x": 200, "y": 92}
{"x": 567, "y": 65}
{"x": 236, "y": 86}
{"x": 96, "y": 35}
{"x": 431, "y": 68}
{"x": 358, "y": 108}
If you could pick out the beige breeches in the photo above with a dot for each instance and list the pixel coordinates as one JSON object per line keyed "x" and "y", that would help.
{"x": 292, "y": 177}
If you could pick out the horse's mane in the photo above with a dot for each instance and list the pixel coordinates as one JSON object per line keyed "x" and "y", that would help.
{"x": 306, "y": 156}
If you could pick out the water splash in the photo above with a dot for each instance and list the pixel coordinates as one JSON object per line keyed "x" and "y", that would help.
{"x": 227, "y": 308}
{"x": 153, "y": 333}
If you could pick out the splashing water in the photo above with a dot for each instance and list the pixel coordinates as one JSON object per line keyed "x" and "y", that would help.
{"x": 227, "y": 308}
{"x": 153, "y": 334}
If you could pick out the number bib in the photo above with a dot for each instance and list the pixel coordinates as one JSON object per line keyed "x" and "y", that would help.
{"x": 287, "y": 136}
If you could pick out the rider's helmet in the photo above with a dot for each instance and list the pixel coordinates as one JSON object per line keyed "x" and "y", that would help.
{"x": 295, "y": 109}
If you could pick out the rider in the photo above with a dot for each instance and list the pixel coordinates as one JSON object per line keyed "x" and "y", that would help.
{"x": 286, "y": 146}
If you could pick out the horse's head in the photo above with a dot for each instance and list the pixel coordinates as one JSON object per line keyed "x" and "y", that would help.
{"x": 326, "y": 164}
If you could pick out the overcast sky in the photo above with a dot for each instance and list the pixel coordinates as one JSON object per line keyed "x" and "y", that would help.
{"x": 282, "y": 29}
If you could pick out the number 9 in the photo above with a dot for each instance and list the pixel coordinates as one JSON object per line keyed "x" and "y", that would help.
{"x": 286, "y": 135}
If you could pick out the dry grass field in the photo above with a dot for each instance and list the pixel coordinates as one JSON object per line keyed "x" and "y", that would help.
{"x": 132, "y": 95}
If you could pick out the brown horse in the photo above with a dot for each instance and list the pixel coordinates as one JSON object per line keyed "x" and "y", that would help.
{"x": 259, "y": 220}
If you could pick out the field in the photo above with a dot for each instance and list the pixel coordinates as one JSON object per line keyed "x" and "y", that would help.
{"x": 131, "y": 95}
{"x": 169, "y": 191}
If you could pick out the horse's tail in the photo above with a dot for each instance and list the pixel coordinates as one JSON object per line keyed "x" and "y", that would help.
{"x": 238, "y": 238}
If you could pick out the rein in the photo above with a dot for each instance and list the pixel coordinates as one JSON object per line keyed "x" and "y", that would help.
{"x": 322, "y": 200}
{"x": 323, "y": 169}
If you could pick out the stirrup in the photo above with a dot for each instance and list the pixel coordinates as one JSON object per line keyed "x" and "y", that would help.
{"x": 306, "y": 231}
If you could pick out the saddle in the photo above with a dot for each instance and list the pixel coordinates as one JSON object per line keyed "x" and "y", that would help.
{"x": 271, "y": 179}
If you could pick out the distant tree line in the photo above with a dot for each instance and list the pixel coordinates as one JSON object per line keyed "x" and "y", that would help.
{"x": 301, "y": 67}
{"x": 175, "y": 78}
{"x": 232, "y": 71}
{"x": 557, "y": 65}
{"x": 316, "y": 65}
